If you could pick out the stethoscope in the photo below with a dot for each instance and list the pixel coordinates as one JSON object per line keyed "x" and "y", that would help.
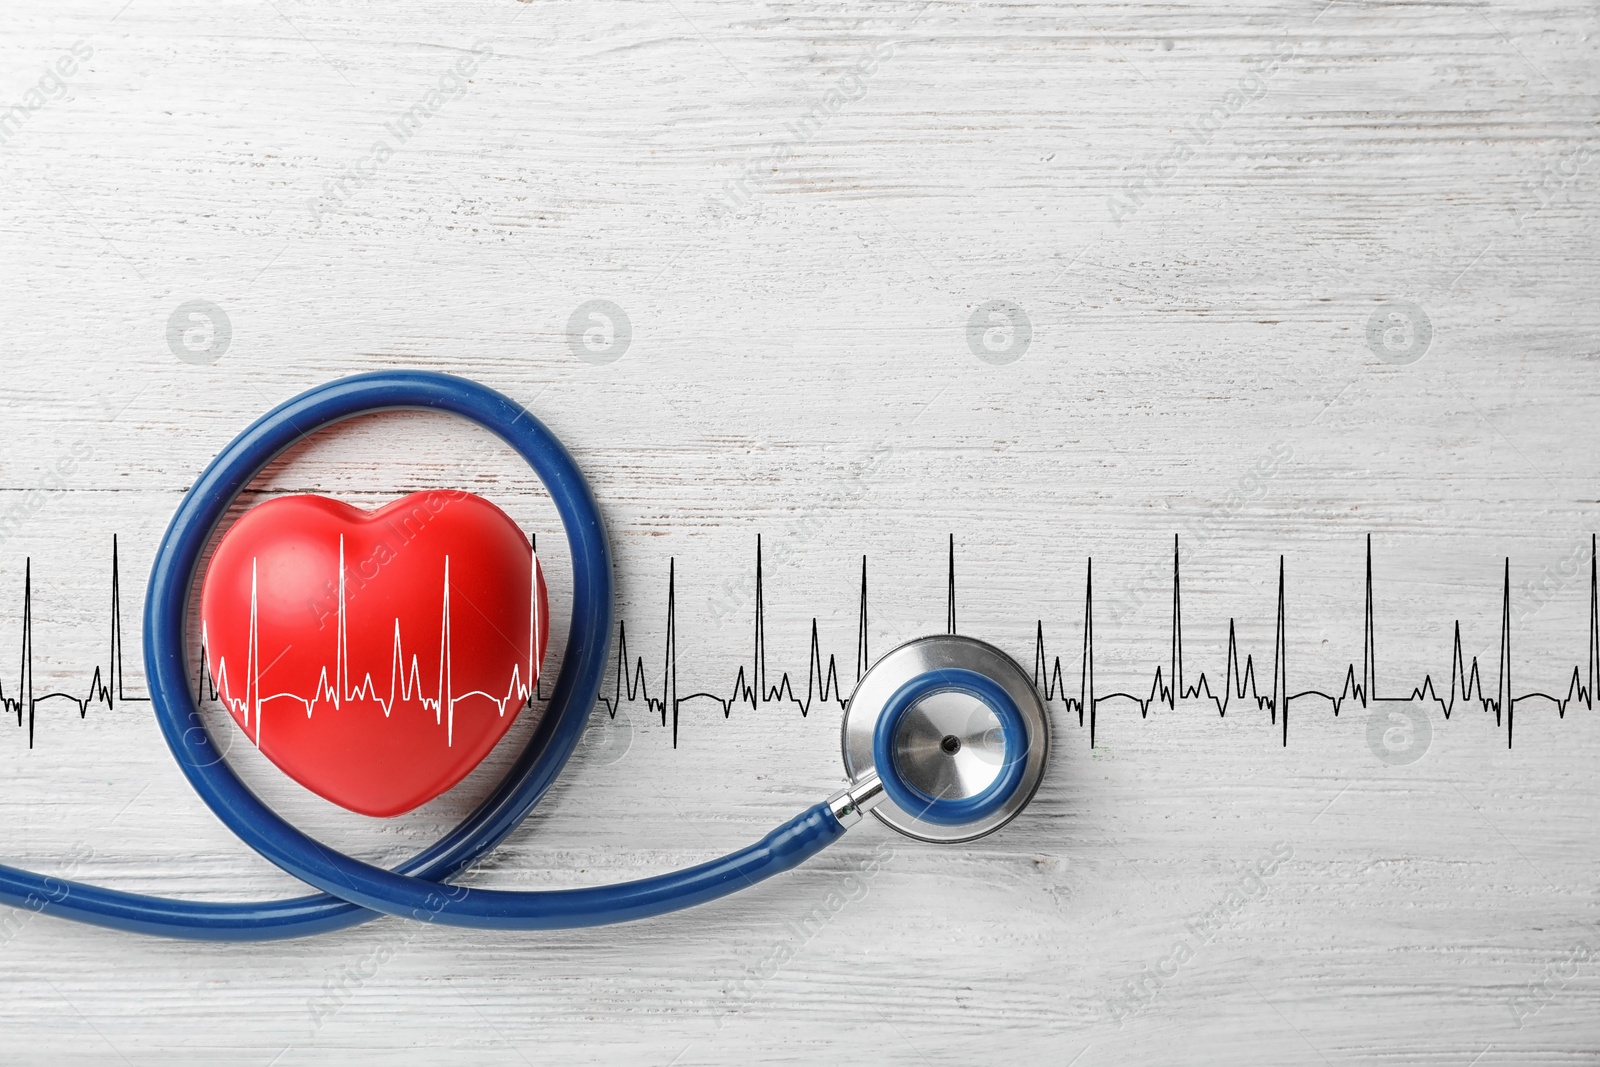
{"x": 944, "y": 738}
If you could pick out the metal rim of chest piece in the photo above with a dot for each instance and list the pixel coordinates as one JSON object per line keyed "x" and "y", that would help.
{"x": 949, "y": 743}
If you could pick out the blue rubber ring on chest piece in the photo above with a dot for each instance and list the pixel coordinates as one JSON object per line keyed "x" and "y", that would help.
{"x": 948, "y": 811}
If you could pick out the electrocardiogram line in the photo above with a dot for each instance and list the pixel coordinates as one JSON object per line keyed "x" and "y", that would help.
{"x": 822, "y": 682}
{"x": 1503, "y": 693}
{"x": 106, "y": 685}
{"x": 405, "y": 683}
{"x": 753, "y": 685}
{"x": 1240, "y": 684}
{"x": 1170, "y": 683}
{"x": 950, "y": 595}
{"x": 205, "y": 688}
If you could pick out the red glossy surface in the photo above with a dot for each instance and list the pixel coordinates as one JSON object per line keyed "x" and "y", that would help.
{"x": 381, "y": 693}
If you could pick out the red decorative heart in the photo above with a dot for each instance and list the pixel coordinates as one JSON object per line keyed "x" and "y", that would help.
{"x": 375, "y": 656}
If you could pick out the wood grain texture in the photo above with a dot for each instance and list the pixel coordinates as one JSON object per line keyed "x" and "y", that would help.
{"x": 1199, "y": 207}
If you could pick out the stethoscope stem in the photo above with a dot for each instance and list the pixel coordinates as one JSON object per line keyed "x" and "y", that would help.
{"x": 851, "y": 804}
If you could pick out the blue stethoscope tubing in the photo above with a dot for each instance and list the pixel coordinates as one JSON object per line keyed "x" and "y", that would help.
{"x": 354, "y": 891}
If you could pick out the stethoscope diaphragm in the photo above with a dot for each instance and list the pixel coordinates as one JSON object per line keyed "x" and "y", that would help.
{"x": 956, "y": 732}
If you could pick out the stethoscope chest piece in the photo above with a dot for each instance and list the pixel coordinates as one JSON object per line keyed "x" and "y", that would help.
{"x": 956, "y": 732}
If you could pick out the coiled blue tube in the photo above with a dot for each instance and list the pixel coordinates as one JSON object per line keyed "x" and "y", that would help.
{"x": 355, "y": 891}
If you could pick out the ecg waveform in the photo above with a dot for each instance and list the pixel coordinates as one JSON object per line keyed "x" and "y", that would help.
{"x": 405, "y": 680}
{"x": 106, "y": 681}
{"x": 822, "y": 682}
{"x": 1170, "y": 683}
{"x": 754, "y": 685}
{"x": 1466, "y": 679}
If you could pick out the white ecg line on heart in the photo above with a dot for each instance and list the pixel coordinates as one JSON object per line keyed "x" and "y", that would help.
{"x": 403, "y": 684}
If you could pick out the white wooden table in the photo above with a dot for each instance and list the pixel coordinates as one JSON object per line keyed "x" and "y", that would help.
{"x": 1058, "y": 281}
